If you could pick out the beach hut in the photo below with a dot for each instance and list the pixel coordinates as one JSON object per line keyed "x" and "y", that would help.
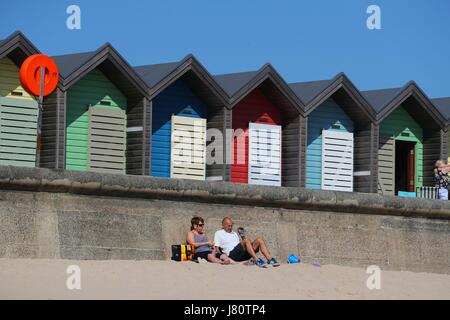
{"x": 443, "y": 105}
{"x": 340, "y": 122}
{"x": 94, "y": 121}
{"x": 268, "y": 123}
{"x": 411, "y": 138}
{"x": 188, "y": 109}
{"x": 18, "y": 109}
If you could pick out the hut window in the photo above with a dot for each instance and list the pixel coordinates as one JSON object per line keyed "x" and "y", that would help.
{"x": 405, "y": 134}
{"x": 17, "y": 93}
{"x": 105, "y": 103}
{"x": 186, "y": 111}
{"x": 336, "y": 126}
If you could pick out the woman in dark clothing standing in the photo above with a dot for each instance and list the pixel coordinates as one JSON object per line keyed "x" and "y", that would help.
{"x": 442, "y": 178}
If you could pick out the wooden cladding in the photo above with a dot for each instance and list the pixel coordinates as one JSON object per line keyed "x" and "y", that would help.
{"x": 337, "y": 160}
{"x": 188, "y": 149}
{"x": 18, "y": 132}
{"x": 107, "y": 140}
{"x": 264, "y": 164}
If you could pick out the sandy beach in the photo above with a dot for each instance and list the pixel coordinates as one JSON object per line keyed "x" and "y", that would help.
{"x": 47, "y": 279}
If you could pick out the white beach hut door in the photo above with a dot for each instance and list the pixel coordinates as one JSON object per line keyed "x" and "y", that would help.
{"x": 337, "y": 160}
{"x": 264, "y": 154}
{"x": 188, "y": 149}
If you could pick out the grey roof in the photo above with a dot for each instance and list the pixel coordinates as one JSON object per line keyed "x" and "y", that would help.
{"x": 378, "y": 99}
{"x": 443, "y": 105}
{"x": 152, "y": 74}
{"x": 232, "y": 82}
{"x": 68, "y": 63}
{"x": 307, "y": 91}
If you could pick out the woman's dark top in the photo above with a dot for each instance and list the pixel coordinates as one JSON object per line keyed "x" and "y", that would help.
{"x": 441, "y": 180}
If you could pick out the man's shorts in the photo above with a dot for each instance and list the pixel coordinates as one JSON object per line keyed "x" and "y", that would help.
{"x": 239, "y": 253}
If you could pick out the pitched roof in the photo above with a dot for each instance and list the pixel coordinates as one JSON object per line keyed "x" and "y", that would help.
{"x": 379, "y": 99}
{"x": 443, "y": 105}
{"x": 232, "y": 82}
{"x": 152, "y": 74}
{"x": 307, "y": 91}
{"x": 18, "y": 37}
{"x": 68, "y": 63}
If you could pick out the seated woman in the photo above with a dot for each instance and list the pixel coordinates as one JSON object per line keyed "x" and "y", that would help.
{"x": 203, "y": 248}
{"x": 442, "y": 178}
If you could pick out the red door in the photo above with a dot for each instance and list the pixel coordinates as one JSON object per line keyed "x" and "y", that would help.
{"x": 411, "y": 170}
{"x": 253, "y": 108}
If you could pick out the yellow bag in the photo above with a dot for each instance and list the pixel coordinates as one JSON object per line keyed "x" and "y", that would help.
{"x": 182, "y": 252}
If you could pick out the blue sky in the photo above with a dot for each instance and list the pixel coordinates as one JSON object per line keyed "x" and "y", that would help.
{"x": 304, "y": 40}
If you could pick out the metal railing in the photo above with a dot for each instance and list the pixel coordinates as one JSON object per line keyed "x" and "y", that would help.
{"x": 427, "y": 192}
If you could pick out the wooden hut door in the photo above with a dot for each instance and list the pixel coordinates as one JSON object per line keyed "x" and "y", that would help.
{"x": 264, "y": 154}
{"x": 188, "y": 149}
{"x": 411, "y": 170}
{"x": 337, "y": 160}
{"x": 107, "y": 140}
{"x": 18, "y": 132}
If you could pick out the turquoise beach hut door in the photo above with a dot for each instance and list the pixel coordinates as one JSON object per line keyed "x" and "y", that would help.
{"x": 337, "y": 160}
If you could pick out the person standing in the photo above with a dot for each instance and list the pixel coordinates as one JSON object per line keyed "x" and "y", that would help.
{"x": 442, "y": 179}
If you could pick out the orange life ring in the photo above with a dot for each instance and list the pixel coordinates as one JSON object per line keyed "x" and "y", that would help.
{"x": 30, "y": 74}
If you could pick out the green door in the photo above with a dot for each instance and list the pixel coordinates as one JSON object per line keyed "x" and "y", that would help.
{"x": 398, "y": 126}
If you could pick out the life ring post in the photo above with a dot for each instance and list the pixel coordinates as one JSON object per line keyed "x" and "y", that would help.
{"x": 39, "y": 122}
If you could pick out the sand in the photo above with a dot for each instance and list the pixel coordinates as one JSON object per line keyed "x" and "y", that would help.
{"x": 46, "y": 279}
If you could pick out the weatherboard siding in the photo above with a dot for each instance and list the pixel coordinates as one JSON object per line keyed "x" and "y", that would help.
{"x": 392, "y": 128}
{"x": 177, "y": 99}
{"x": 18, "y": 132}
{"x": 18, "y": 119}
{"x": 252, "y": 108}
{"x": 10, "y": 86}
{"x": 89, "y": 91}
{"x": 323, "y": 117}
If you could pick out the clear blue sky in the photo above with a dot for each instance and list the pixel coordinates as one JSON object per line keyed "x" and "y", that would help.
{"x": 304, "y": 40}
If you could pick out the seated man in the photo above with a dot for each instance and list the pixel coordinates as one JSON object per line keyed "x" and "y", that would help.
{"x": 228, "y": 241}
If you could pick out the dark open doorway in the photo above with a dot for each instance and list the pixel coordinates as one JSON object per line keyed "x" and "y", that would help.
{"x": 405, "y": 173}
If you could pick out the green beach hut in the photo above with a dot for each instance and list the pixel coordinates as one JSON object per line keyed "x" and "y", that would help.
{"x": 412, "y": 137}
{"x": 95, "y": 120}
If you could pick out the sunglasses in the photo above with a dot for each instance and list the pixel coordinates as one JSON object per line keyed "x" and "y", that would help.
{"x": 201, "y": 224}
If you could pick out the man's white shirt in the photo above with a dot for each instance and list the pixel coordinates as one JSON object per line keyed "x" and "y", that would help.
{"x": 226, "y": 240}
